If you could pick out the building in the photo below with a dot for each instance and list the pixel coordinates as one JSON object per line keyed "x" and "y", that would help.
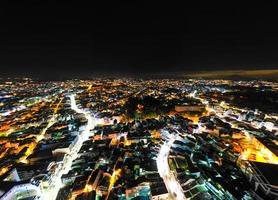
{"x": 18, "y": 190}
{"x": 264, "y": 177}
{"x": 189, "y": 108}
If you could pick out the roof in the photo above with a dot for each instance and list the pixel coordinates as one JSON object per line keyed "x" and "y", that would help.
{"x": 7, "y": 185}
{"x": 270, "y": 145}
{"x": 269, "y": 171}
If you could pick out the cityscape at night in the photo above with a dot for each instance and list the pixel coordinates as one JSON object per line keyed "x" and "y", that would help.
{"x": 138, "y": 139}
{"x": 138, "y": 100}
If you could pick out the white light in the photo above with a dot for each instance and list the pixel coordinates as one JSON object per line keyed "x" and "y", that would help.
{"x": 164, "y": 171}
{"x": 56, "y": 182}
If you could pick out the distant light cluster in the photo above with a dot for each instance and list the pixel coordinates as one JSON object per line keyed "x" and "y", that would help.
{"x": 147, "y": 139}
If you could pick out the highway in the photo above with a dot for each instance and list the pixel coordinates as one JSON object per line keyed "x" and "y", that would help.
{"x": 50, "y": 193}
{"x": 172, "y": 184}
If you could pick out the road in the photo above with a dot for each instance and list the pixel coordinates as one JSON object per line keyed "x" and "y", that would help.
{"x": 50, "y": 193}
{"x": 172, "y": 184}
{"x": 250, "y": 144}
{"x": 40, "y": 136}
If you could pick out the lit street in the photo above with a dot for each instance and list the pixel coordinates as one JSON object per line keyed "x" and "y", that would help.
{"x": 173, "y": 186}
{"x": 51, "y": 192}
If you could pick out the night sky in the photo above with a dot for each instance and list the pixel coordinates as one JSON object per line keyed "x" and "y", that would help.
{"x": 51, "y": 40}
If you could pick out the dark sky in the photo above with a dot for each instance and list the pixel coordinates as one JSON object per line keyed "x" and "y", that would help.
{"x": 51, "y": 40}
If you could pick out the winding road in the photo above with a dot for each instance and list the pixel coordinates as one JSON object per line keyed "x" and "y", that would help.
{"x": 50, "y": 193}
{"x": 172, "y": 184}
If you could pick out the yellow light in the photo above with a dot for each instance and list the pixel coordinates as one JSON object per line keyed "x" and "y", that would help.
{"x": 88, "y": 188}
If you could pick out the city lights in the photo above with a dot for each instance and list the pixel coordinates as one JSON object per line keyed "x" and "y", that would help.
{"x": 124, "y": 138}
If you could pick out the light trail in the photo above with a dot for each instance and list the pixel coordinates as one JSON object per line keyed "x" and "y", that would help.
{"x": 50, "y": 193}
{"x": 172, "y": 184}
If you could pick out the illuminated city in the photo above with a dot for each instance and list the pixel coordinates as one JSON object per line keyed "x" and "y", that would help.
{"x": 145, "y": 139}
{"x": 138, "y": 100}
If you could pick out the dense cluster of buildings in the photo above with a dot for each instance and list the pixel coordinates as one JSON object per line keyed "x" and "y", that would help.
{"x": 138, "y": 139}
